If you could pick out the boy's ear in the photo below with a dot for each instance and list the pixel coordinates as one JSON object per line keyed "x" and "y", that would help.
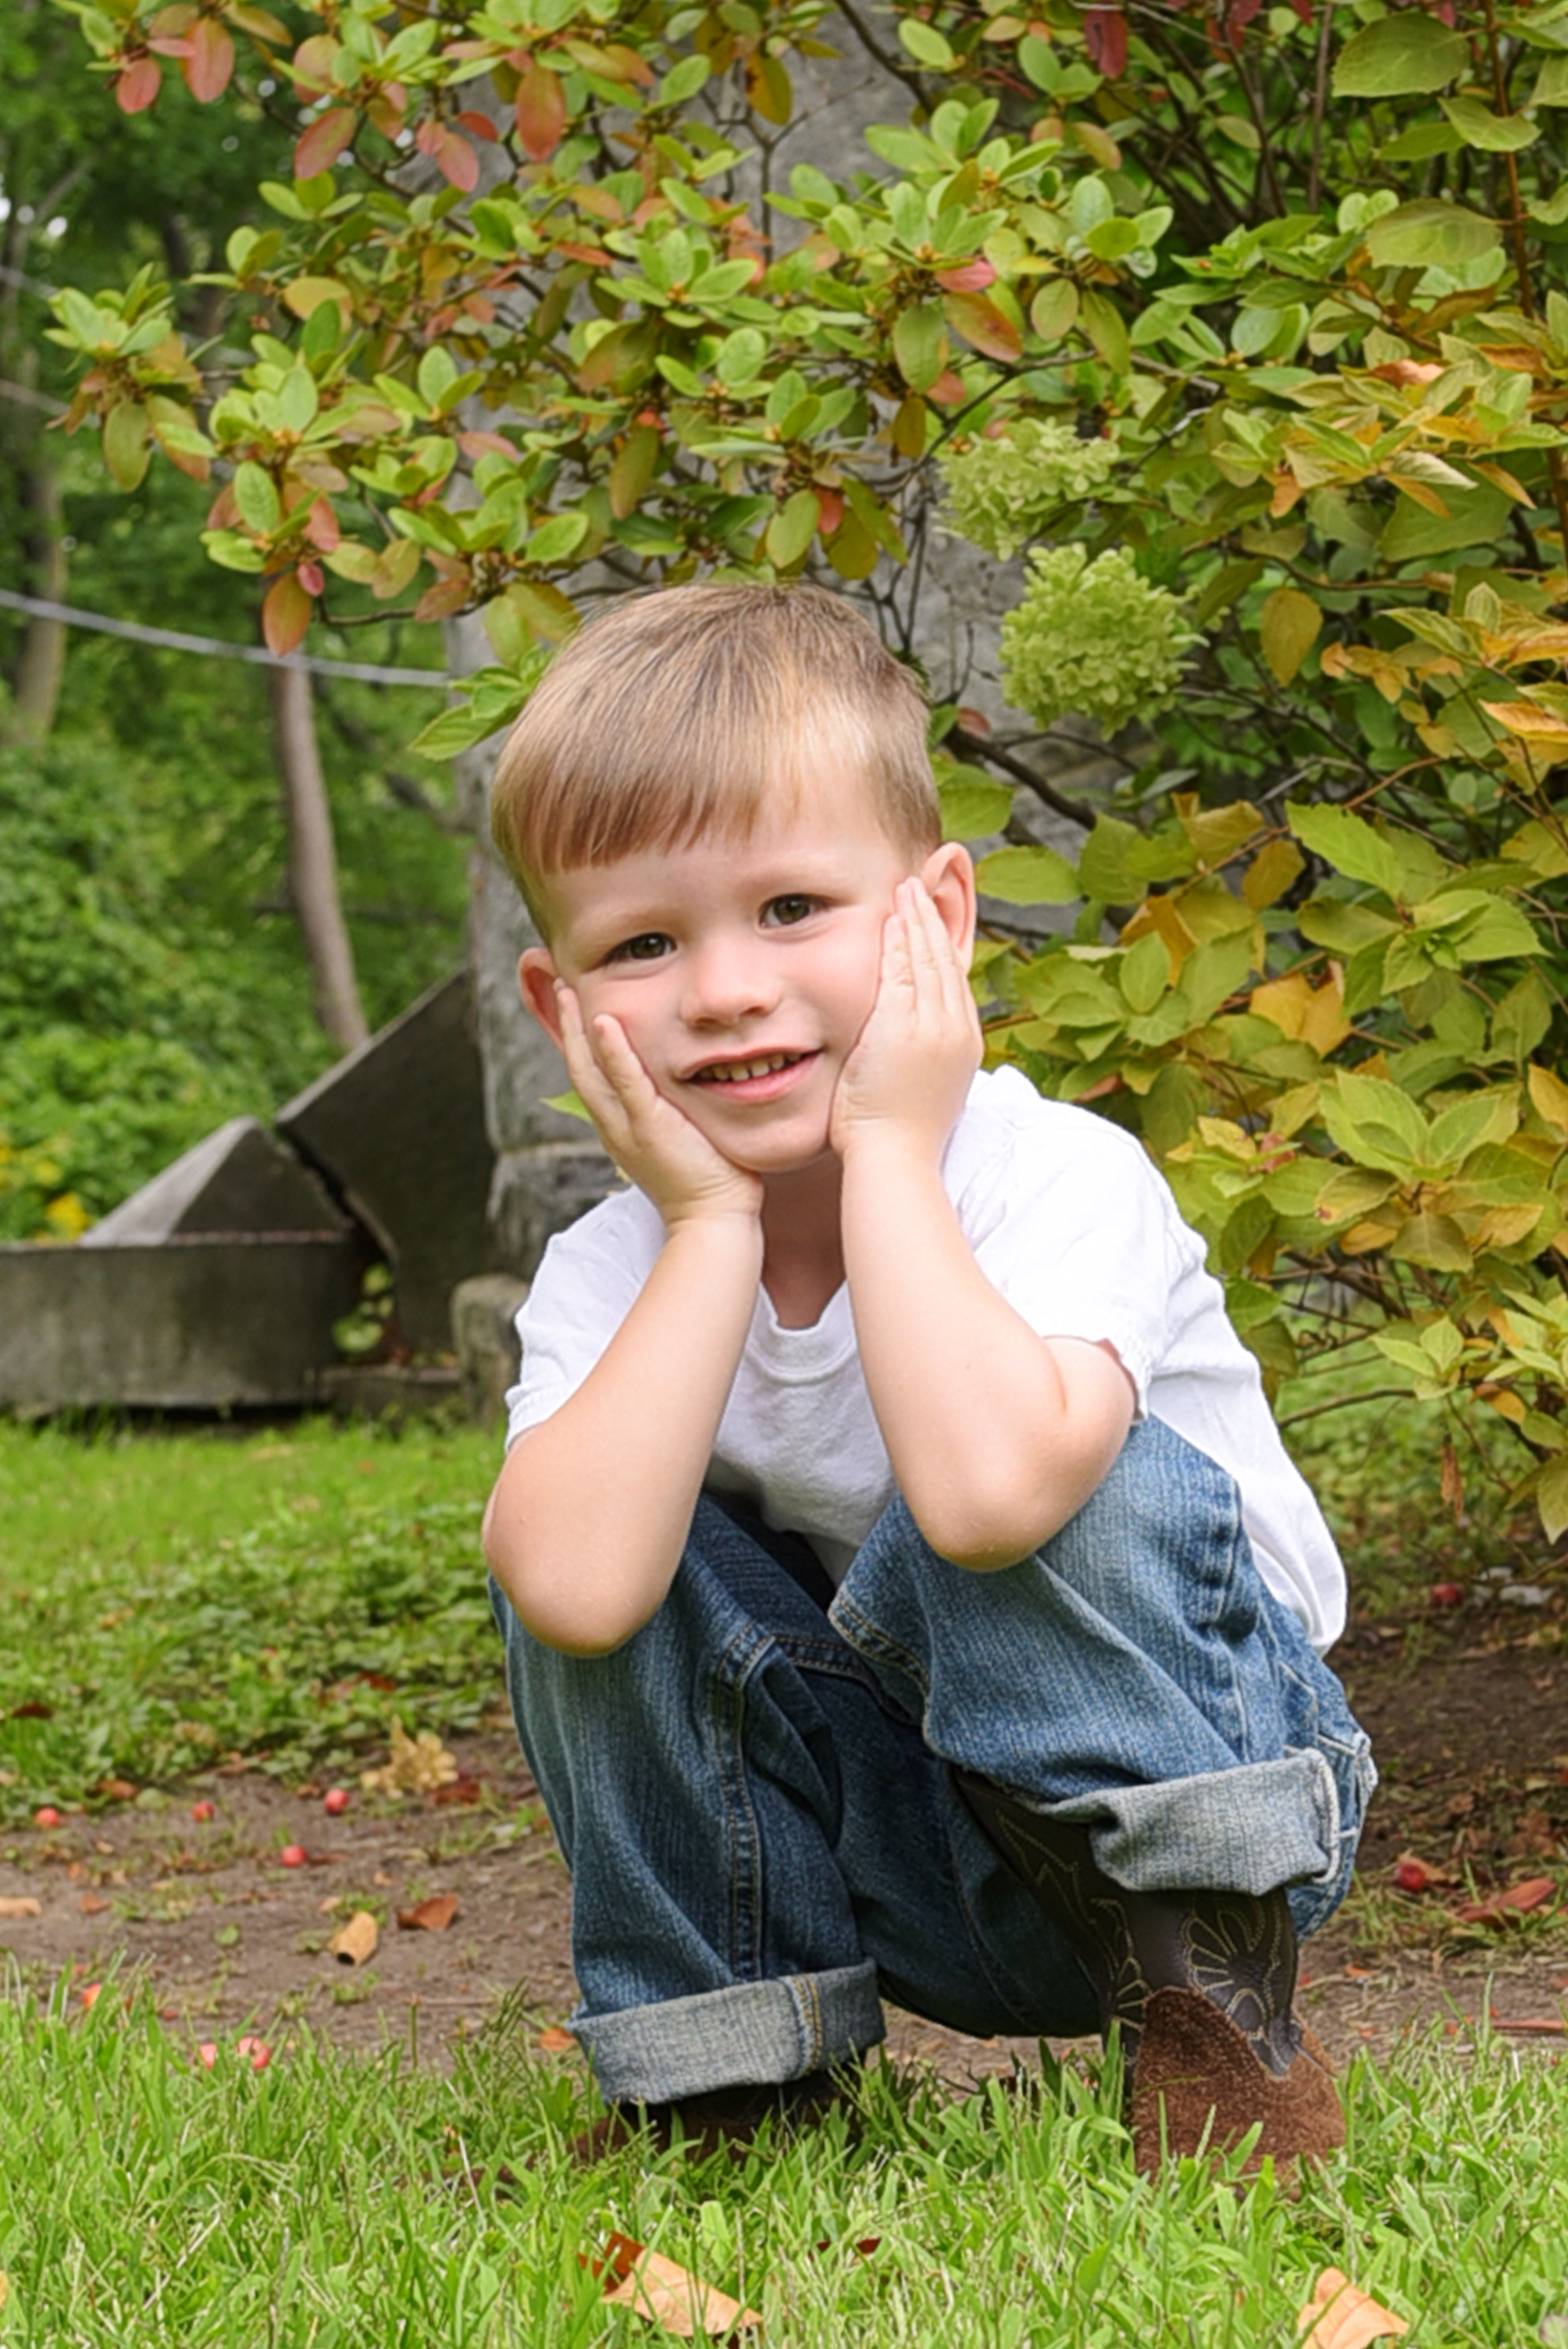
{"x": 536, "y": 982}
{"x": 949, "y": 878}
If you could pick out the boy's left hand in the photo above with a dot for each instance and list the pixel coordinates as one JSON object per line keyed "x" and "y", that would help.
{"x": 912, "y": 1065}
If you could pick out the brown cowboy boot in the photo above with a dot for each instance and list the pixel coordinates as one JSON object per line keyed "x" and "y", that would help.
{"x": 1200, "y": 1985}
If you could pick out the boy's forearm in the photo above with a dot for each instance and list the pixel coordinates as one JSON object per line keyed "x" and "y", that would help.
{"x": 993, "y": 1450}
{"x": 590, "y": 1515}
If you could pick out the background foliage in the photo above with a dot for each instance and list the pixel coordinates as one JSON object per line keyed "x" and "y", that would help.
{"x": 1240, "y": 322}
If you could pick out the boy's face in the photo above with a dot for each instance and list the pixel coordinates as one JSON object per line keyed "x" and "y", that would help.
{"x": 742, "y": 972}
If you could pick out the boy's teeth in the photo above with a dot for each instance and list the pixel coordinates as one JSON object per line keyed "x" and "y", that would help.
{"x": 734, "y": 1072}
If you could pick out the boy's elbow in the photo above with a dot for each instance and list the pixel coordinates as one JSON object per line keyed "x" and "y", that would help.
{"x": 982, "y": 1536}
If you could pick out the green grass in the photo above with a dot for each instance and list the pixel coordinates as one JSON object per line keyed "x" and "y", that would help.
{"x": 338, "y": 2202}
{"x": 171, "y": 1599}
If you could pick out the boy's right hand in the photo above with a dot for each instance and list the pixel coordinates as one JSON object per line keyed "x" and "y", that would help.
{"x": 651, "y": 1141}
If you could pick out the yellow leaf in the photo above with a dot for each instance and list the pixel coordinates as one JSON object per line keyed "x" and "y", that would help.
{"x": 1312, "y": 1015}
{"x": 1340, "y": 2315}
{"x": 1271, "y": 873}
{"x": 1528, "y": 719}
{"x": 661, "y": 2289}
{"x": 1550, "y": 1095}
{"x": 1288, "y": 626}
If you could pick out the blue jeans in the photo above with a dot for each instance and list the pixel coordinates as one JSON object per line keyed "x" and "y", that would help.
{"x": 754, "y": 1798}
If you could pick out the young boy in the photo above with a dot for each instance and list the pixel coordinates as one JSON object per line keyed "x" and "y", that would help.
{"x": 904, "y": 1589}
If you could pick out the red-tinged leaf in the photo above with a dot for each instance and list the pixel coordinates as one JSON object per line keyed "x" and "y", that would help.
{"x": 983, "y": 324}
{"x": 463, "y": 1790}
{"x": 210, "y": 60}
{"x": 1541, "y": 2026}
{"x": 325, "y": 530}
{"x": 948, "y": 390}
{"x": 485, "y": 444}
{"x": 34, "y": 1709}
{"x": 136, "y": 85}
{"x": 318, "y": 148}
{"x": 1340, "y": 2315}
{"x": 480, "y": 307}
{"x": 285, "y": 613}
{"x": 389, "y": 114}
{"x": 451, "y": 154}
{"x": 830, "y": 511}
{"x": 622, "y": 64}
{"x": 311, "y": 577}
{"x": 446, "y": 598}
{"x": 223, "y": 514}
{"x": 311, "y": 68}
{"x": 432, "y": 1916}
{"x": 553, "y": 2041}
{"x": 971, "y": 278}
{"x": 1506, "y": 1907}
{"x": 117, "y": 1790}
{"x": 656, "y": 2287}
{"x": 541, "y": 111}
{"x": 973, "y": 722}
{"x": 479, "y": 126}
{"x": 1105, "y": 37}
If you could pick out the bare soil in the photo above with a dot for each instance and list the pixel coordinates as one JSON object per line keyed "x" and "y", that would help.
{"x": 1468, "y": 1710}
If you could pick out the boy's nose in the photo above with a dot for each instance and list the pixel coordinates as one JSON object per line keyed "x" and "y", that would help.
{"x": 725, "y": 985}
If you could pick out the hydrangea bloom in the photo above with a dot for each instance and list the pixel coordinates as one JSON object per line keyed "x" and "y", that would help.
{"x": 1093, "y": 637}
{"x": 1001, "y": 493}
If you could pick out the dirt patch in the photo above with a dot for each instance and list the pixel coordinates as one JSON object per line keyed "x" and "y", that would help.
{"x": 1468, "y": 1710}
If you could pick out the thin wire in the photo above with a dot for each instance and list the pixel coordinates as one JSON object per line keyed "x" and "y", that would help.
{"x": 174, "y": 640}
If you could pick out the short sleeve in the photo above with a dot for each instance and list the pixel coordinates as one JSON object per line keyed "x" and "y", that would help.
{"x": 1078, "y": 1231}
{"x": 586, "y": 1285}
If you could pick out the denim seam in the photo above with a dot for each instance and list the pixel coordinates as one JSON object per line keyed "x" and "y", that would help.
{"x": 739, "y": 1661}
{"x": 870, "y": 1641}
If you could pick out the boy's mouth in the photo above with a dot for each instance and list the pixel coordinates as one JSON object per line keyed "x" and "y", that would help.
{"x": 737, "y": 1072}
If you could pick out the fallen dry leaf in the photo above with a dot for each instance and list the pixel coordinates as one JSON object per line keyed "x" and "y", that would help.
{"x": 20, "y": 1904}
{"x": 416, "y": 1765}
{"x": 462, "y": 1789}
{"x": 92, "y": 1904}
{"x": 117, "y": 1790}
{"x": 432, "y": 1916}
{"x": 1543, "y": 2026}
{"x": 654, "y": 2286}
{"x": 1504, "y": 1907}
{"x": 356, "y": 1941}
{"x": 556, "y": 2042}
{"x": 1340, "y": 2315}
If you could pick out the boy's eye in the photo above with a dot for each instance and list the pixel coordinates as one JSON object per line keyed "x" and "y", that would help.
{"x": 646, "y": 947}
{"x": 783, "y": 911}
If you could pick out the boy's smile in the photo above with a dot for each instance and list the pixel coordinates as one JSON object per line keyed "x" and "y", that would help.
{"x": 741, "y": 971}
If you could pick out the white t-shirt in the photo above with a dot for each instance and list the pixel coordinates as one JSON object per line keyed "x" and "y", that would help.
{"x": 1078, "y": 1231}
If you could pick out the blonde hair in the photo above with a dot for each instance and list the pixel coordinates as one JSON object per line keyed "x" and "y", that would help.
{"x": 681, "y": 714}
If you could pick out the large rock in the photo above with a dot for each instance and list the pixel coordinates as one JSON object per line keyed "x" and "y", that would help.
{"x": 397, "y": 1129}
{"x": 238, "y": 1180}
{"x": 201, "y": 1321}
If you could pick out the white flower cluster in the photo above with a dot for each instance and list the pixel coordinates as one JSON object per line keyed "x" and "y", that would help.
{"x": 1092, "y": 637}
{"x": 1002, "y": 494}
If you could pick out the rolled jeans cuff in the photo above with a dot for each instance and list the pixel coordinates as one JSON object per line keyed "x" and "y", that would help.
{"x": 1252, "y": 1829}
{"x": 752, "y": 2033}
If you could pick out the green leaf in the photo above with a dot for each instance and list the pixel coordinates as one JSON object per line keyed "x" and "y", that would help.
{"x": 1027, "y": 876}
{"x": 298, "y": 399}
{"x": 1053, "y": 312}
{"x": 1375, "y": 1124}
{"x": 1145, "y": 972}
{"x": 1493, "y": 134}
{"x": 920, "y": 344}
{"x": 557, "y": 539}
{"x": 1430, "y": 235}
{"x": 926, "y": 44}
{"x": 255, "y": 494}
{"x": 973, "y": 805}
{"x": 126, "y": 446}
{"x": 1107, "y": 330}
{"x": 1400, "y": 57}
{"x": 1119, "y": 862}
{"x": 1288, "y": 627}
{"x": 1349, "y": 844}
{"x": 793, "y": 529}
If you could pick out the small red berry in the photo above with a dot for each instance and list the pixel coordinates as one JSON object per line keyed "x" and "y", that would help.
{"x": 260, "y": 2053}
{"x": 292, "y": 1854}
{"x": 1413, "y": 1876}
{"x": 47, "y": 1817}
{"x": 91, "y": 1994}
{"x": 207, "y": 2053}
{"x": 203, "y": 1811}
{"x": 1447, "y": 1594}
{"x": 336, "y": 1801}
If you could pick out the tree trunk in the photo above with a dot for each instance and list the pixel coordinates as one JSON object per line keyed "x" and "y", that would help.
{"x": 41, "y": 666}
{"x": 312, "y": 860}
